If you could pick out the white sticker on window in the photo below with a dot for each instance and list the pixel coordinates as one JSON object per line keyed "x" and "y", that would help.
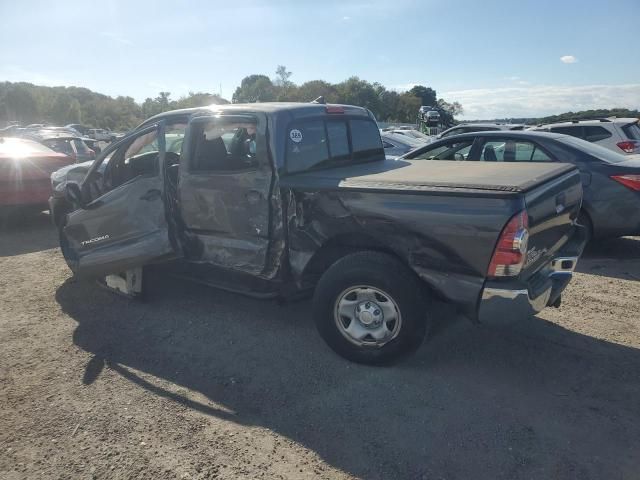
{"x": 295, "y": 135}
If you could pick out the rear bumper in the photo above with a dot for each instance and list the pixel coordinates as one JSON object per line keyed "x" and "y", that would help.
{"x": 506, "y": 302}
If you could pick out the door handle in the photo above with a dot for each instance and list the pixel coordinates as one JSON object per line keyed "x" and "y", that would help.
{"x": 151, "y": 195}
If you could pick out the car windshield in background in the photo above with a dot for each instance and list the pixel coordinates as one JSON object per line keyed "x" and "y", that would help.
{"x": 597, "y": 151}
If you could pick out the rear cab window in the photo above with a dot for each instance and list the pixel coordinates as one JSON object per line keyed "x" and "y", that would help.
{"x": 330, "y": 142}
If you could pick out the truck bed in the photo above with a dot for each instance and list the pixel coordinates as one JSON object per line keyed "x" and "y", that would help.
{"x": 460, "y": 178}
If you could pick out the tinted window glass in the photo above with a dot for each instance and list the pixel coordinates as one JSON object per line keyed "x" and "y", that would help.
{"x": 61, "y": 146}
{"x": 632, "y": 131}
{"x": 224, "y": 145}
{"x": 338, "y": 139}
{"x": 306, "y": 145}
{"x": 365, "y": 138}
{"x": 573, "y": 131}
{"x": 81, "y": 147}
{"x": 594, "y": 133}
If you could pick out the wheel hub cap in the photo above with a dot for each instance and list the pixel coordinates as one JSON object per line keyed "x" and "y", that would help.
{"x": 367, "y": 316}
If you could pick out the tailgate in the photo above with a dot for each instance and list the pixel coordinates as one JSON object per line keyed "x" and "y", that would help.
{"x": 552, "y": 208}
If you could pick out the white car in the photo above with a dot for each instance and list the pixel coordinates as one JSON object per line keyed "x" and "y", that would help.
{"x": 622, "y": 135}
{"x": 100, "y": 134}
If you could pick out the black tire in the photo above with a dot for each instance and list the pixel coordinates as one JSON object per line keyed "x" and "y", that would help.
{"x": 584, "y": 220}
{"x": 383, "y": 272}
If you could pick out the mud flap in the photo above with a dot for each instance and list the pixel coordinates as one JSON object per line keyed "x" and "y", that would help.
{"x": 128, "y": 284}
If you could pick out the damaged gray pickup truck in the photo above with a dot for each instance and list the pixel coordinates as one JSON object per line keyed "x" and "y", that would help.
{"x": 279, "y": 200}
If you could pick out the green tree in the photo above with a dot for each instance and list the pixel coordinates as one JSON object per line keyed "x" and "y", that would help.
{"x": 20, "y": 104}
{"x": 254, "y": 88}
{"x": 426, "y": 95}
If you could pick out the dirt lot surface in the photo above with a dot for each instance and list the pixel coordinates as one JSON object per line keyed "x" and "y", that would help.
{"x": 198, "y": 383}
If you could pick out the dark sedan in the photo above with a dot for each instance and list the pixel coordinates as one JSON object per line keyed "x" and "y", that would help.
{"x": 611, "y": 204}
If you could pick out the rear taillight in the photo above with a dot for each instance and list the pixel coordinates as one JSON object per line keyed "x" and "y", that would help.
{"x": 631, "y": 181}
{"x": 510, "y": 252}
{"x": 334, "y": 109}
{"x": 627, "y": 147}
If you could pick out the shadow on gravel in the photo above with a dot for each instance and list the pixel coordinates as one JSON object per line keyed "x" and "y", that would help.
{"x": 26, "y": 232}
{"x": 614, "y": 257}
{"x": 532, "y": 400}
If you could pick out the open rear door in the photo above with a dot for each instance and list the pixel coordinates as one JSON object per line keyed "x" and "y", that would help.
{"x": 125, "y": 226}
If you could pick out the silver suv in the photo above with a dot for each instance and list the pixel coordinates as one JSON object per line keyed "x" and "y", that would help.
{"x": 622, "y": 135}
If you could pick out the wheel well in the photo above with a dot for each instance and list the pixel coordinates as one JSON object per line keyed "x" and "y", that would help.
{"x": 341, "y": 246}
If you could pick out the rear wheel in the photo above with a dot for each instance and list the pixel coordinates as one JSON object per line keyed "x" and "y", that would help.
{"x": 370, "y": 308}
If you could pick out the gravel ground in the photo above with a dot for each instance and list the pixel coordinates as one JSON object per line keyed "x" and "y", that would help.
{"x": 198, "y": 383}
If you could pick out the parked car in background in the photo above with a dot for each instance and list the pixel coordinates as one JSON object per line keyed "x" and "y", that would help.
{"x": 25, "y": 168}
{"x": 611, "y": 181}
{"x": 74, "y": 147}
{"x": 622, "y": 135}
{"x": 479, "y": 127}
{"x": 395, "y": 144}
{"x": 282, "y": 200}
{"x": 101, "y": 134}
{"x": 410, "y": 132}
{"x": 82, "y": 129}
{"x": 10, "y": 131}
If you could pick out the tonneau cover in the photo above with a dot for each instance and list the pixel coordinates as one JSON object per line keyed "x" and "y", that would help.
{"x": 431, "y": 175}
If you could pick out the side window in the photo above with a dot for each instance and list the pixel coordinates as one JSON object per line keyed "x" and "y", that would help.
{"x": 387, "y": 144}
{"x": 174, "y": 134}
{"x": 306, "y": 145}
{"x": 595, "y": 133}
{"x": 223, "y": 145}
{"x": 512, "y": 151}
{"x": 573, "y": 131}
{"x": 453, "y": 150}
{"x": 129, "y": 161}
{"x": 365, "y": 139}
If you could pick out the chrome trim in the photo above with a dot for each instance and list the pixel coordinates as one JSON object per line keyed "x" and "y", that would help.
{"x": 559, "y": 264}
{"x": 489, "y": 293}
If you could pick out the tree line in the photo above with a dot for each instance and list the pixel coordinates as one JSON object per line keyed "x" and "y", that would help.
{"x": 27, "y": 103}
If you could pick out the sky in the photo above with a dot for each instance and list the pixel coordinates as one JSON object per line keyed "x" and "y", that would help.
{"x": 498, "y": 58}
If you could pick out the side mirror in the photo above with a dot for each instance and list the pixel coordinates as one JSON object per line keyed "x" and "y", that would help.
{"x": 73, "y": 194}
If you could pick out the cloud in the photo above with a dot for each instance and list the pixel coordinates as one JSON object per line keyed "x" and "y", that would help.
{"x": 116, "y": 37}
{"x": 346, "y": 18}
{"x": 542, "y": 100}
{"x": 568, "y": 59}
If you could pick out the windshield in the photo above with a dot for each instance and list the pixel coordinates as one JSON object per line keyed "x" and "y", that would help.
{"x": 597, "y": 151}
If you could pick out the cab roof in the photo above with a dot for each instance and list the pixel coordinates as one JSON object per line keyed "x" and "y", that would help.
{"x": 296, "y": 109}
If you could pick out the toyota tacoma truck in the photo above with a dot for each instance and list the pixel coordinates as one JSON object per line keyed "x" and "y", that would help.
{"x": 283, "y": 200}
